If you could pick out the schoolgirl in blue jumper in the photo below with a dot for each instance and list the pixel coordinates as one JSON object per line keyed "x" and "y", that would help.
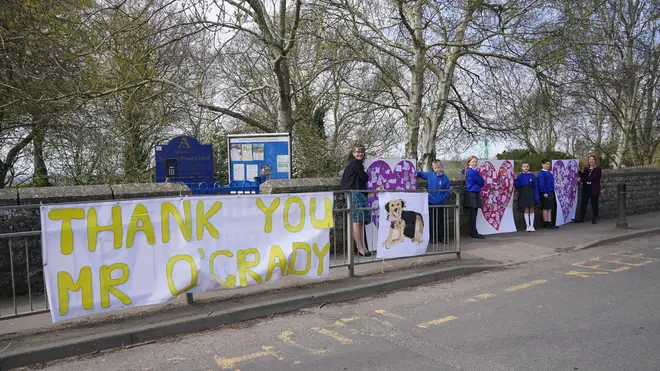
{"x": 528, "y": 194}
{"x": 473, "y": 183}
{"x": 547, "y": 193}
{"x": 437, "y": 182}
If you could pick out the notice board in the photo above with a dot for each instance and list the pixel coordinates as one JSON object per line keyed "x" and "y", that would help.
{"x": 259, "y": 155}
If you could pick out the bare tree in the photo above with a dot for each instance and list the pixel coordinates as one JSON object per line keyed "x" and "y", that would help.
{"x": 420, "y": 45}
{"x": 615, "y": 61}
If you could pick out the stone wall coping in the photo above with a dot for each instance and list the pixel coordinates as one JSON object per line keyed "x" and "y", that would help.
{"x": 8, "y": 197}
{"x": 278, "y": 186}
{"x": 82, "y": 193}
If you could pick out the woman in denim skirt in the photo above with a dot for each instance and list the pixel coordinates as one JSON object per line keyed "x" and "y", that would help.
{"x": 355, "y": 178}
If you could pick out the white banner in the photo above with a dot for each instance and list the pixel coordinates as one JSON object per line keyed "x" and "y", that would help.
{"x": 106, "y": 256}
{"x": 404, "y": 224}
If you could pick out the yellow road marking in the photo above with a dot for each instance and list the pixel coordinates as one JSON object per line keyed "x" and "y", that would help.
{"x": 617, "y": 261}
{"x": 478, "y": 297}
{"x": 296, "y": 362}
{"x": 382, "y": 322}
{"x": 230, "y": 363}
{"x": 436, "y": 322}
{"x": 630, "y": 254}
{"x": 388, "y": 314}
{"x": 331, "y": 334}
{"x": 657, "y": 249}
{"x": 597, "y": 266}
{"x": 583, "y": 274}
{"x": 286, "y": 337}
{"x": 524, "y": 286}
{"x": 176, "y": 359}
{"x": 343, "y": 321}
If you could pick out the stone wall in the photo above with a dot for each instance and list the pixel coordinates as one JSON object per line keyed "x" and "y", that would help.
{"x": 19, "y": 212}
{"x": 643, "y": 186}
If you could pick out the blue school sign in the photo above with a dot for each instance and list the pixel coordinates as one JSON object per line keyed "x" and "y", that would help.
{"x": 184, "y": 159}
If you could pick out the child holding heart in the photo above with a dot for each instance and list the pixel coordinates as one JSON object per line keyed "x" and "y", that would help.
{"x": 473, "y": 183}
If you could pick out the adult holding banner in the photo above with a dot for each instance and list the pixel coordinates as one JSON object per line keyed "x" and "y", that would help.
{"x": 590, "y": 179}
{"x": 355, "y": 179}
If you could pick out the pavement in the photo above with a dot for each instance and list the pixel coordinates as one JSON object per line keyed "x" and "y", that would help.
{"x": 589, "y": 310}
{"x": 34, "y": 338}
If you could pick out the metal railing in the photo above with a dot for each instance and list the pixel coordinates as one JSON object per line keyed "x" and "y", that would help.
{"x": 21, "y": 270}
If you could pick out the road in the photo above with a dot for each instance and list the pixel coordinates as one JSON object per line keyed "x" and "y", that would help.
{"x": 595, "y": 309}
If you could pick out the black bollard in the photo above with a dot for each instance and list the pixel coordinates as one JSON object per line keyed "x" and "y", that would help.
{"x": 621, "y": 221}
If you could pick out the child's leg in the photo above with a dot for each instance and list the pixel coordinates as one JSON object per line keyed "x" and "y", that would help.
{"x": 441, "y": 224}
{"x": 529, "y": 218}
{"x": 473, "y": 221}
{"x": 432, "y": 224}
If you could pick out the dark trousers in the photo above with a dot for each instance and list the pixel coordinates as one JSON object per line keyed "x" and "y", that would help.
{"x": 586, "y": 196}
{"x": 473, "y": 221}
{"x": 437, "y": 221}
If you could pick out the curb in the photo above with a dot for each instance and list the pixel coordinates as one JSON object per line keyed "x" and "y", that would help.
{"x": 607, "y": 240}
{"x": 148, "y": 333}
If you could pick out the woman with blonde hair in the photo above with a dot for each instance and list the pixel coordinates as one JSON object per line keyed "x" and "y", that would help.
{"x": 473, "y": 183}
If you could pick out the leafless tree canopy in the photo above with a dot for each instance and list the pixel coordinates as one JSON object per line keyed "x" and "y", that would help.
{"x": 89, "y": 87}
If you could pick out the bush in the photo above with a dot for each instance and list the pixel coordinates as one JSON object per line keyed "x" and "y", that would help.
{"x": 533, "y": 158}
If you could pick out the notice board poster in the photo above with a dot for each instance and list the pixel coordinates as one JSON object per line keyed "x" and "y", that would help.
{"x": 259, "y": 155}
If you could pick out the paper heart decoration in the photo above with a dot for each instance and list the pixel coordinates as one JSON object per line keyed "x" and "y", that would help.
{"x": 497, "y": 192}
{"x": 566, "y": 188}
{"x": 383, "y": 177}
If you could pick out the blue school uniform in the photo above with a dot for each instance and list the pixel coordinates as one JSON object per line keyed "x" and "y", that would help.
{"x": 546, "y": 186}
{"x": 528, "y": 193}
{"x": 436, "y": 214}
{"x": 436, "y": 182}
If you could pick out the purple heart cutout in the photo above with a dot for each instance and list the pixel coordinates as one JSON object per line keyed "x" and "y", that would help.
{"x": 382, "y": 177}
{"x": 565, "y": 172}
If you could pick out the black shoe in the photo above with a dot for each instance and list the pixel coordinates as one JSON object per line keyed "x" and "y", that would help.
{"x": 368, "y": 253}
{"x": 477, "y": 236}
{"x": 580, "y": 220}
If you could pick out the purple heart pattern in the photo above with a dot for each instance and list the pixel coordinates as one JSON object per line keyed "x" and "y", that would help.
{"x": 566, "y": 188}
{"x": 389, "y": 175}
{"x": 497, "y": 192}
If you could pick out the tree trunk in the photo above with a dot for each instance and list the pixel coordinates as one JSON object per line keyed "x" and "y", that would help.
{"x": 414, "y": 111}
{"x": 40, "y": 177}
{"x": 445, "y": 77}
{"x": 284, "y": 109}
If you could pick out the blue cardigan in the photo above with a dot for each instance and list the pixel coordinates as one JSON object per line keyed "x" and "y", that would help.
{"x": 473, "y": 180}
{"x": 436, "y": 182}
{"x": 546, "y": 182}
{"x": 527, "y": 180}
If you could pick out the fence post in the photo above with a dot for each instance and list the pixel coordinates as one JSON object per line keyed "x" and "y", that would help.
{"x": 349, "y": 233}
{"x": 189, "y": 298}
{"x": 621, "y": 221}
{"x": 457, "y": 225}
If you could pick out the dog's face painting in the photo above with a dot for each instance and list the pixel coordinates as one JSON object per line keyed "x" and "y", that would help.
{"x": 394, "y": 209}
{"x": 403, "y": 224}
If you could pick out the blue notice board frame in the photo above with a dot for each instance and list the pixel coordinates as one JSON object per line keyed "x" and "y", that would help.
{"x": 259, "y": 155}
